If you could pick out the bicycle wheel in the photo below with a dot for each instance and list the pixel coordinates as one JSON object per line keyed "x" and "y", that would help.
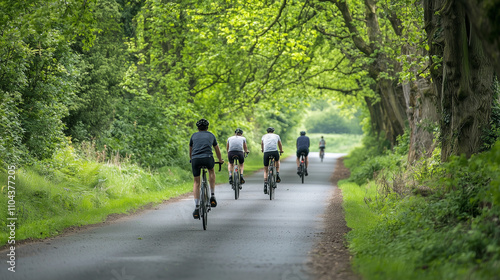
{"x": 204, "y": 206}
{"x": 302, "y": 171}
{"x": 236, "y": 180}
{"x": 272, "y": 184}
{"x": 322, "y": 155}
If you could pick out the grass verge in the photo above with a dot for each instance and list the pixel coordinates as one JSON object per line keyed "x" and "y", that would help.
{"x": 450, "y": 231}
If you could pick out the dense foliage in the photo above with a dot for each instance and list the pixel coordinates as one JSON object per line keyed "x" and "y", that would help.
{"x": 429, "y": 220}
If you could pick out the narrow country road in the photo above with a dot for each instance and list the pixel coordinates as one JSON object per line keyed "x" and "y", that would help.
{"x": 249, "y": 238}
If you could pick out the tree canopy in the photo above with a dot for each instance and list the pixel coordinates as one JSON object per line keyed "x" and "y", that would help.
{"x": 135, "y": 75}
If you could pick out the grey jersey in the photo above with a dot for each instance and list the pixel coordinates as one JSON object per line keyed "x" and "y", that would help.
{"x": 202, "y": 143}
{"x": 270, "y": 141}
{"x": 236, "y": 143}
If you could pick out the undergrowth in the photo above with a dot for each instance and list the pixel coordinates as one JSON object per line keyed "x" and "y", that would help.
{"x": 430, "y": 220}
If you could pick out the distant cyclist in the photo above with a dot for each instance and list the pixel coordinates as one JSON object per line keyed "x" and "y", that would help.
{"x": 302, "y": 146}
{"x": 322, "y": 144}
{"x": 269, "y": 146}
{"x": 200, "y": 153}
{"x": 236, "y": 146}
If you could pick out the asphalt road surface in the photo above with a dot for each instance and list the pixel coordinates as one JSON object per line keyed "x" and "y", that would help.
{"x": 249, "y": 238}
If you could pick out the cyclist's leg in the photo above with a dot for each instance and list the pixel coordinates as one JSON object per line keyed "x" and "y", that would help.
{"x": 241, "y": 162}
{"x": 277, "y": 164}
{"x": 266, "y": 164}
{"x": 211, "y": 179}
{"x": 196, "y": 190}
{"x": 230, "y": 166}
{"x": 195, "y": 167}
{"x": 196, "y": 195}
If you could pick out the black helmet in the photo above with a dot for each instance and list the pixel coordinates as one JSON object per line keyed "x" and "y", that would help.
{"x": 270, "y": 129}
{"x": 302, "y": 133}
{"x": 202, "y": 123}
{"x": 238, "y": 131}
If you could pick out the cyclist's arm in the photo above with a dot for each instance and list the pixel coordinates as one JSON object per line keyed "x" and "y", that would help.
{"x": 280, "y": 146}
{"x": 245, "y": 148}
{"x": 190, "y": 151}
{"x": 217, "y": 152}
{"x": 262, "y": 146}
{"x": 227, "y": 146}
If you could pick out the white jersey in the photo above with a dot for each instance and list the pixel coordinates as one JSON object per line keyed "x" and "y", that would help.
{"x": 270, "y": 141}
{"x": 236, "y": 143}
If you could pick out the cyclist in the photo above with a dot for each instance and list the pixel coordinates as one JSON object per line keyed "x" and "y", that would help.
{"x": 200, "y": 153}
{"x": 302, "y": 146}
{"x": 236, "y": 146}
{"x": 269, "y": 146}
{"x": 322, "y": 144}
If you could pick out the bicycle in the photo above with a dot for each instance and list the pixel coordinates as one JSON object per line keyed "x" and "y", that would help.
{"x": 271, "y": 177}
{"x": 205, "y": 206}
{"x": 236, "y": 184}
{"x": 321, "y": 153}
{"x": 302, "y": 167}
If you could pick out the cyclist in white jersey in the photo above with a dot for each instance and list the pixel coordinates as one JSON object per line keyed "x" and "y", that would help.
{"x": 322, "y": 143}
{"x": 269, "y": 146}
{"x": 236, "y": 146}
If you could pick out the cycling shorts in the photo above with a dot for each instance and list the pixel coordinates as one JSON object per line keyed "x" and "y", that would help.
{"x": 322, "y": 148}
{"x": 197, "y": 163}
{"x": 302, "y": 150}
{"x": 239, "y": 154}
{"x": 276, "y": 155}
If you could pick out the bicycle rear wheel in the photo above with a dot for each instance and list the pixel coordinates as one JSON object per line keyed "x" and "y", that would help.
{"x": 204, "y": 205}
{"x": 302, "y": 171}
{"x": 236, "y": 181}
{"x": 272, "y": 183}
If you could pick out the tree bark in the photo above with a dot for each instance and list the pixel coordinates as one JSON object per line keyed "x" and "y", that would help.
{"x": 463, "y": 81}
{"x": 423, "y": 118}
{"x": 485, "y": 20}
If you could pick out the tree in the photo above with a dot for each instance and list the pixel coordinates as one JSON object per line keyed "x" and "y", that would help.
{"x": 39, "y": 73}
{"x": 462, "y": 75}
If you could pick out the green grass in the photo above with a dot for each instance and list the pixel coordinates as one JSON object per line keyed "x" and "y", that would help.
{"x": 451, "y": 233}
{"x": 78, "y": 192}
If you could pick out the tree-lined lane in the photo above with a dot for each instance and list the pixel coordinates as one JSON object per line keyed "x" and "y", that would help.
{"x": 248, "y": 238}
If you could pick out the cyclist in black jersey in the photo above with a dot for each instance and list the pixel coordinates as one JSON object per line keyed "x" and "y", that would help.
{"x": 302, "y": 146}
{"x": 200, "y": 153}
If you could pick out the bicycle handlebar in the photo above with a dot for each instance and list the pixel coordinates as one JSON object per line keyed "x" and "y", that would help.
{"x": 220, "y": 165}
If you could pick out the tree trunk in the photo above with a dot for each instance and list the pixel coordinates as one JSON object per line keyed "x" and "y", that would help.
{"x": 485, "y": 20}
{"x": 463, "y": 81}
{"x": 423, "y": 117}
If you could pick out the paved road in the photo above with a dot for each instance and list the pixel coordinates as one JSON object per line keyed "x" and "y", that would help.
{"x": 249, "y": 238}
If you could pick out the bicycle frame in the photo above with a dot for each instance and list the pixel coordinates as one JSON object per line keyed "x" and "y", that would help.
{"x": 236, "y": 178}
{"x": 204, "y": 199}
{"x": 271, "y": 177}
{"x": 205, "y": 206}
